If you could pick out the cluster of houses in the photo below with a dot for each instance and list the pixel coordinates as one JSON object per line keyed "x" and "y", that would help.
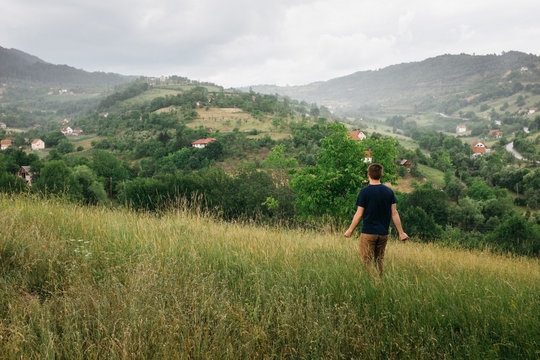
{"x": 37, "y": 144}
{"x": 479, "y": 147}
{"x": 528, "y": 111}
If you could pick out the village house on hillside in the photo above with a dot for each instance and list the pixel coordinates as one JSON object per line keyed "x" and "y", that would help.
{"x": 3, "y": 125}
{"x": 38, "y": 144}
{"x": 4, "y": 144}
{"x": 65, "y": 121}
{"x": 201, "y": 143}
{"x": 406, "y": 164}
{"x": 66, "y": 130}
{"x": 460, "y": 129}
{"x": 368, "y": 156}
{"x": 356, "y": 135}
{"x": 479, "y": 148}
{"x": 25, "y": 174}
{"x": 496, "y": 134}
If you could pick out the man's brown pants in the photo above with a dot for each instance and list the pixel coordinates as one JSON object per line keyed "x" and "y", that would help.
{"x": 372, "y": 249}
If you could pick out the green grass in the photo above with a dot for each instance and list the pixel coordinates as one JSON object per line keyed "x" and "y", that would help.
{"x": 431, "y": 174}
{"x": 95, "y": 283}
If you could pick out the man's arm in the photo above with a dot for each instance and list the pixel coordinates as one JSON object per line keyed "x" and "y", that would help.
{"x": 355, "y": 221}
{"x": 397, "y": 222}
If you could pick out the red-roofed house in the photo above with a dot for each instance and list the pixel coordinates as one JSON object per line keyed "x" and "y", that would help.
{"x": 201, "y": 143}
{"x": 479, "y": 148}
{"x": 495, "y": 134}
{"x": 356, "y": 135}
{"x": 66, "y": 130}
{"x": 4, "y": 144}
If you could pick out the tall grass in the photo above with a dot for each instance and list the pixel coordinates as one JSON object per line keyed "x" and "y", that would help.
{"x": 93, "y": 283}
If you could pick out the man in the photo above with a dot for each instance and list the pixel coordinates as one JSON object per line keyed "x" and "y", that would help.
{"x": 377, "y": 205}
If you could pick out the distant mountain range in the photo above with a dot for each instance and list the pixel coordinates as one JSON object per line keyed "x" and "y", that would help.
{"x": 18, "y": 65}
{"x": 445, "y": 75}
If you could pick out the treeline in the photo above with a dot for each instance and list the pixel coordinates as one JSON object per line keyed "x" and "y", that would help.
{"x": 468, "y": 212}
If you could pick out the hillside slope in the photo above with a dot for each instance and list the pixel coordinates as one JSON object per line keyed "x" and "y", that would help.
{"x": 409, "y": 82}
{"x": 18, "y": 65}
{"x": 83, "y": 282}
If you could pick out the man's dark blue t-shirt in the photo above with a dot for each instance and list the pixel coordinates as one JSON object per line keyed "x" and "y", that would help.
{"x": 377, "y": 202}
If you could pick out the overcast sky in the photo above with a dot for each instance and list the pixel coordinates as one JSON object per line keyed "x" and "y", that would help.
{"x": 250, "y": 42}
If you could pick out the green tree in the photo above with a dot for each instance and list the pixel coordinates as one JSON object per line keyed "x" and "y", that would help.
{"x": 57, "y": 178}
{"x": 467, "y": 214}
{"x": 53, "y": 138}
{"x": 479, "y": 190}
{"x": 280, "y": 164}
{"x": 109, "y": 170}
{"x": 92, "y": 190}
{"x": 330, "y": 187}
{"x": 65, "y": 147}
{"x": 420, "y": 224}
{"x": 454, "y": 189}
{"x": 516, "y": 234}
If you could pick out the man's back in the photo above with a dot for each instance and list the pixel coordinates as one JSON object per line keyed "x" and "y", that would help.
{"x": 377, "y": 202}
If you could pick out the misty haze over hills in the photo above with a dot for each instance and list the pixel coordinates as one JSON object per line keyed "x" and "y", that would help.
{"x": 434, "y": 77}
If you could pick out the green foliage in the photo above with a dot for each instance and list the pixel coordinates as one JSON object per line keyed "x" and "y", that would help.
{"x": 53, "y": 138}
{"x": 11, "y": 183}
{"x": 132, "y": 90}
{"x": 479, "y": 190}
{"x": 57, "y": 178}
{"x": 65, "y": 147}
{"x": 419, "y": 224}
{"x": 467, "y": 214}
{"x": 517, "y": 235}
{"x": 454, "y": 189}
{"x": 329, "y": 188}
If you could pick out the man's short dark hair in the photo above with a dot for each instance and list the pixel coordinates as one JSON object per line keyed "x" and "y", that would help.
{"x": 375, "y": 171}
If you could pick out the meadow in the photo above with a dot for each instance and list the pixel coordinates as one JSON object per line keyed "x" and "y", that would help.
{"x": 96, "y": 283}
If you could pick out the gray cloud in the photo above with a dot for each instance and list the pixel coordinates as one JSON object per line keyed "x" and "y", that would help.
{"x": 241, "y": 42}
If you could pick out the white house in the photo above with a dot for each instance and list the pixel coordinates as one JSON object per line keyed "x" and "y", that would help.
{"x": 66, "y": 130}
{"x": 460, "y": 129}
{"x": 356, "y": 135}
{"x": 38, "y": 144}
{"x": 201, "y": 143}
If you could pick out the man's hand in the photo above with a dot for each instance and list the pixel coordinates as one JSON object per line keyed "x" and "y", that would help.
{"x": 403, "y": 236}
{"x": 348, "y": 233}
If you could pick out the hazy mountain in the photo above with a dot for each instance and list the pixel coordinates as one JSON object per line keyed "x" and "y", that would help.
{"x": 441, "y": 76}
{"x": 18, "y": 65}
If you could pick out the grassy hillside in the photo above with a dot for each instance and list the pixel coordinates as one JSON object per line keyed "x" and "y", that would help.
{"x": 96, "y": 283}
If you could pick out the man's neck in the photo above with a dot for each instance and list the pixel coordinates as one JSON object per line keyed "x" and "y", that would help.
{"x": 374, "y": 182}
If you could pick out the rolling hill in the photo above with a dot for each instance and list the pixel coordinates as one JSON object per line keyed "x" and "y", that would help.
{"x": 18, "y": 65}
{"x": 441, "y": 77}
